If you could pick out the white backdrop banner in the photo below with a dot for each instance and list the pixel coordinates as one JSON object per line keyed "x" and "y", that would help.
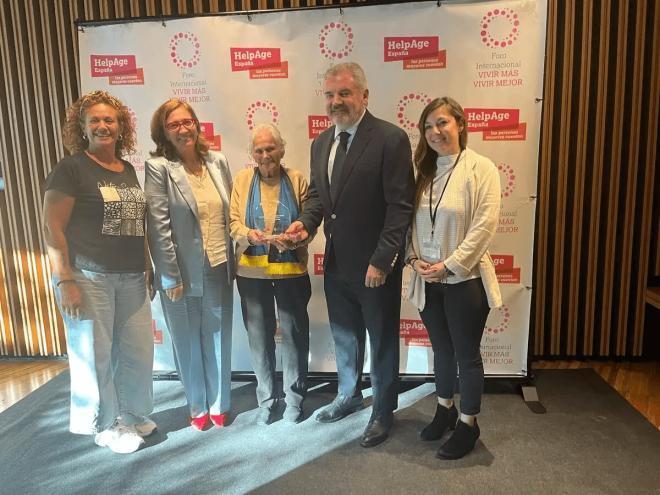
{"x": 238, "y": 71}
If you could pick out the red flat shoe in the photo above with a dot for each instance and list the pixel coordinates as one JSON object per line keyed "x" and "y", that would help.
{"x": 200, "y": 422}
{"x": 219, "y": 420}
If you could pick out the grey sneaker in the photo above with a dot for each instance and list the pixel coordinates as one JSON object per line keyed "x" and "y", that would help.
{"x": 120, "y": 439}
{"x": 143, "y": 425}
{"x": 266, "y": 415}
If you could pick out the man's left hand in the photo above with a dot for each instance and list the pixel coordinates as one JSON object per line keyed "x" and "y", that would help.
{"x": 375, "y": 277}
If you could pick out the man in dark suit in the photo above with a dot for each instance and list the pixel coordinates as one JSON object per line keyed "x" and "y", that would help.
{"x": 362, "y": 187}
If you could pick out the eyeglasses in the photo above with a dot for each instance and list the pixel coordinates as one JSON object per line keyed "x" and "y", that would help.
{"x": 187, "y": 123}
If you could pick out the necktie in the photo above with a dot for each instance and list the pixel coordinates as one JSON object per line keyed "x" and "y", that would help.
{"x": 338, "y": 165}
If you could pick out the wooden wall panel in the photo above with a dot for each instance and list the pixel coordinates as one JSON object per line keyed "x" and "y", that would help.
{"x": 598, "y": 179}
{"x": 596, "y": 239}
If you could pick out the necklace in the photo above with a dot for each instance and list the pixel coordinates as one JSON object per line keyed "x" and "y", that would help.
{"x": 198, "y": 176}
{"x": 114, "y": 166}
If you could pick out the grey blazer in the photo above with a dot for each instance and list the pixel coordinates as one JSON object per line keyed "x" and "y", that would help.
{"x": 174, "y": 234}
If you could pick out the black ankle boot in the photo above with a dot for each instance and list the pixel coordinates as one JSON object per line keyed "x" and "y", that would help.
{"x": 461, "y": 442}
{"x": 444, "y": 419}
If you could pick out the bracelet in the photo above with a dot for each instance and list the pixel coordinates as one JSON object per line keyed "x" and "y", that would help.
{"x": 64, "y": 281}
{"x": 411, "y": 262}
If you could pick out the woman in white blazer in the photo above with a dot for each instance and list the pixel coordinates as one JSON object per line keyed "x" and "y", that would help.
{"x": 187, "y": 188}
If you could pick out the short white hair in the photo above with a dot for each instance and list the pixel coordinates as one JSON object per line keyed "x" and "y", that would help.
{"x": 272, "y": 129}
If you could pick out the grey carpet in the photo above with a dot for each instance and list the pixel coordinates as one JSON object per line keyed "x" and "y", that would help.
{"x": 591, "y": 441}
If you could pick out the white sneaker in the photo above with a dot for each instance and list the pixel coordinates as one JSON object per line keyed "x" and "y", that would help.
{"x": 120, "y": 439}
{"x": 143, "y": 425}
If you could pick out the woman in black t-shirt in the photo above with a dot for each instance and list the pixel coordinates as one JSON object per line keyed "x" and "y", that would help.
{"x": 94, "y": 211}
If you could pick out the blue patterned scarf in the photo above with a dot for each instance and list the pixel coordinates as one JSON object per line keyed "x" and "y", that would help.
{"x": 267, "y": 256}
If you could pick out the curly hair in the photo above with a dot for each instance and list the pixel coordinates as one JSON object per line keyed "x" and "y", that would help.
{"x": 425, "y": 157}
{"x": 163, "y": 145}
{"x": 74, "y": 123}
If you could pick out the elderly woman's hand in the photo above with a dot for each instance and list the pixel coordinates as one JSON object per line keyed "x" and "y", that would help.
{"x": 284, "y": 242}
{"x": 256, "y": 237}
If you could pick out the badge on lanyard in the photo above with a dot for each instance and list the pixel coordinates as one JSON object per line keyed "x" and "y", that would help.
{"x": 430, "y": 249}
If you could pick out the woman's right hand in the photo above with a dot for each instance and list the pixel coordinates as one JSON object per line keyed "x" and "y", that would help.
{"x": 175, "y": 293}
{"x": 70, "y": 298}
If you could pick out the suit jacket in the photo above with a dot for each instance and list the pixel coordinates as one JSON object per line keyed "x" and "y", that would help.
{"x": 174, "y": 233}
{"x": 366, "y": 222}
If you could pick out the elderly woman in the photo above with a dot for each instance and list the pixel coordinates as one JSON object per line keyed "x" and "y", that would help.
{"x": 94, "y": 212}
{"x": 457, "y": 205}
{"x": 187, "y": 188}
{"x": 264, "y": 202}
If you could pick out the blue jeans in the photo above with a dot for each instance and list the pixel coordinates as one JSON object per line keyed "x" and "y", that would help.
{"x": 111, "y": 350}
{"x": 201, "y": 333}
{"x": 258, "y": 298}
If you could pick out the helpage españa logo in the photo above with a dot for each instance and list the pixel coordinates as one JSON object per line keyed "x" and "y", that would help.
{"x": 499, "y": 28}
{"x": 336, "y": 40}
{"x": 260, "y": 63}
{"x": 208, "y": 131}
{"x": 505, "y": 269}
{"x": 185, "y": 50}
{"x": 119, "y": 69}
{"x": 413, "y": 333}
{"x": 415, "y": 52}
{"x": 316, "y": 124}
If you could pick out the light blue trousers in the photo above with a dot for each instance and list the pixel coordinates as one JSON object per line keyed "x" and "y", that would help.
{"x": 110, "y": 349}
{"x": 201, "y": 333}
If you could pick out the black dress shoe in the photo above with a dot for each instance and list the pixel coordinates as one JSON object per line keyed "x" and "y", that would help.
{"x": 377, "y": 430}
{"x": 461, "y": 442}
{"x": 339, "y": 408}
{"x": 444, "y": 419}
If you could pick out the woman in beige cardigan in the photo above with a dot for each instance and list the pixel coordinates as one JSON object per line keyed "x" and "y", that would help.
{"x": 272, "y": 277}
{"x": 457, "y": 204}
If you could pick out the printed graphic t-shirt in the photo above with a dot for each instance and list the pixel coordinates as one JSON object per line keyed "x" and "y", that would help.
{"x": 106, "y": 229}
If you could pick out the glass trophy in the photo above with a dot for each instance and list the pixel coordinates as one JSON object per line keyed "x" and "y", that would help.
{"x": 275, "y": 218}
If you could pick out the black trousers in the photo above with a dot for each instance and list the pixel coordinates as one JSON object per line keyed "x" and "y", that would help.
{"x": 353, "y": 309}
{"x": 455, "y": 316}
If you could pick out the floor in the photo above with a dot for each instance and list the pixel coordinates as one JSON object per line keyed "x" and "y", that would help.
{"x": 637, "y": 382}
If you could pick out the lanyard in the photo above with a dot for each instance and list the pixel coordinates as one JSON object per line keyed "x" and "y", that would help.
{"x": 433, "y": 212}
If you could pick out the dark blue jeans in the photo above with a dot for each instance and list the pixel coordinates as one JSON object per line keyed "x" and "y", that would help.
{"x": 258, "y": 297}
{"x": 455, "y": 316}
